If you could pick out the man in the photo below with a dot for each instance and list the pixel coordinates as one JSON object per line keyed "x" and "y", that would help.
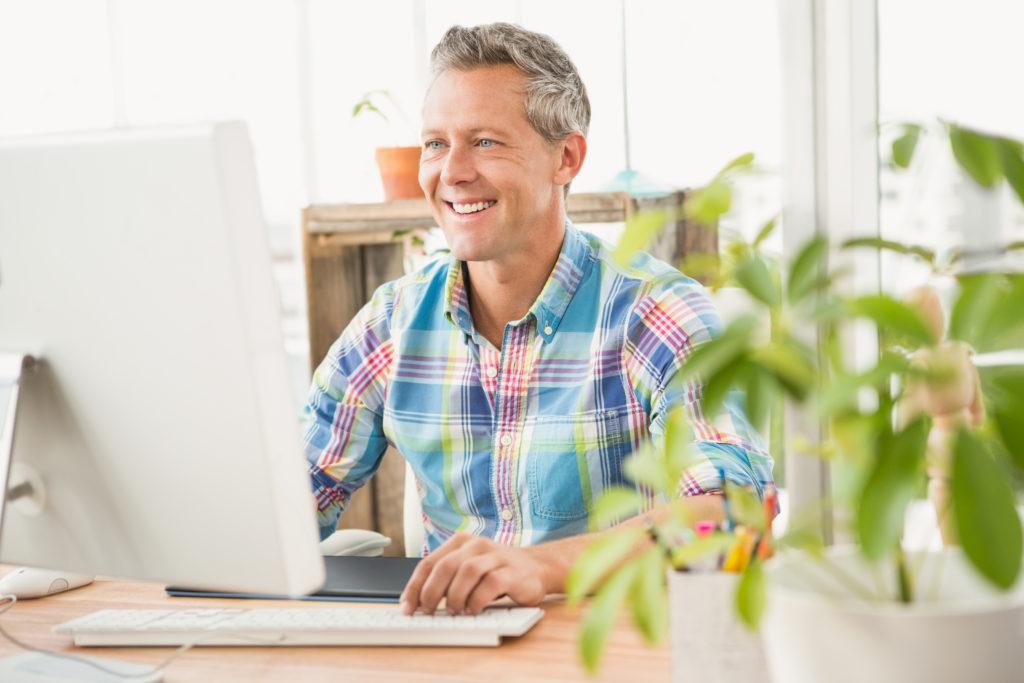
{"x": 518, "y": 374}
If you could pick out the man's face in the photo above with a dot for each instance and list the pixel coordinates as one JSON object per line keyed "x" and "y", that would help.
{"x": 493, "y": 182}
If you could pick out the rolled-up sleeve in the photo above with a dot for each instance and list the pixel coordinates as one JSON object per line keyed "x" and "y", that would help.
{"x": 672, "y": 326}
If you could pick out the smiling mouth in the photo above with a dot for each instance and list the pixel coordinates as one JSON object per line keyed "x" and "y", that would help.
{"x": 475, "y": 207}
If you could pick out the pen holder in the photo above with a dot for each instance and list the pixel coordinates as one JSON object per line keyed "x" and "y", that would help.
{"x": 709, "y": 643}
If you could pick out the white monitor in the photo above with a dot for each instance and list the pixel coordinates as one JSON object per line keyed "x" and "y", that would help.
{"x": 157, "y": 427}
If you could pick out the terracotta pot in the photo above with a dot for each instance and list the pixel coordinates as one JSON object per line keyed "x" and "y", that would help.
{"x": 399, "y": 171}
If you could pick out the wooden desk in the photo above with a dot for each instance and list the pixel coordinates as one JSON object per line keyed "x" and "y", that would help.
{"x": 546, "y": 653}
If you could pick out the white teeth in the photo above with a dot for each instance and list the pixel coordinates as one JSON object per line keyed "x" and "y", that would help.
{"x": 473, "y": 208}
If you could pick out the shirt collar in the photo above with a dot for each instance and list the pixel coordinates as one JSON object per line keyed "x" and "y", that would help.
{"x": 572, "y": 265}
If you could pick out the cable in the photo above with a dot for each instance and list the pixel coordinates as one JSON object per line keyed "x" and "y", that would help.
{"x": 12, "y": 600}
{"x": 182, "y": 649}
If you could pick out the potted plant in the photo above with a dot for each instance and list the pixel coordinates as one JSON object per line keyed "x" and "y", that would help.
{"x": 893, "y": 615}
{"x": 399, "y": 165}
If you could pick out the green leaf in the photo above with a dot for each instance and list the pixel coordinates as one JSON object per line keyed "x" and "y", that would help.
{"x": 706, "y": 268}
{"x": 712, "y": 546}
{"x": 750, "y": 594}
{"x": 742, "y": 162}
{"x": 713, "y": 355}
{"x": 598, "y": 559}
{"x": 707, "y": 204}
{"x": 766, "y": 230}
{"x": 367, "y": 106}
{"x": 678, "y": 437}
{"x": 647, "y": 596}
{"x": 601, "y": 617}
{"x": 788, "y": 362}
{"x": 1007, "y": 396}
{"x": 973, "y": 308}
{"x": 640, "y": 230}
{"x": 806, "y": 269}
{"x": 1010, "y": 158}
{"x": 987, "y": 311}
{"x": 753, "y": 275}
{"x": 804, "y": 539}
{"x": 646, "y": 467}
{"x": 893, "y": 316}
{"x": 717, "y": 387}
{"x": 1006, "y": 328}
{"x": 903, "y": 146}
{"x": 761, "y": 391}
{"x": 898, "y": 471}
{"x": 977, "y": 155}
{"x": 617, "y": 503}
{"x": 745, "y": 507}
{"x": 987, "y": 523}
{"x": 924, "y": 253}
{"x": 841, "y": 392}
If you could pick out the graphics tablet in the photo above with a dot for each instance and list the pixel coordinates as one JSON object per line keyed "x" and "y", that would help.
{"x": 349, "y": 578}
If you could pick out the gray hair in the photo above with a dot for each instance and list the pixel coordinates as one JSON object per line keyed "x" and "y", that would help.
{"x": 556, "y": 100}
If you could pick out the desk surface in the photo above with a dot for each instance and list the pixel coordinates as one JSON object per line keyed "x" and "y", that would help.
{"x": 546, "y": 653}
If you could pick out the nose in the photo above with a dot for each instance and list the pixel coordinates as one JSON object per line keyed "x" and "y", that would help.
{"x": 458, "y": 166}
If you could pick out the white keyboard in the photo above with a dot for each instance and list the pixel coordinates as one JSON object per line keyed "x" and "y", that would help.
{"x": 296, "y": 626}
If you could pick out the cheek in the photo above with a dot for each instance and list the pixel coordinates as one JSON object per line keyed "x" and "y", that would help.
{"x": 427, "y": 177}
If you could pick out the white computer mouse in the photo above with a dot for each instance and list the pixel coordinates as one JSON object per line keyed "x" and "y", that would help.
{"x": 354, "y": 542}
{"x": 30, "y": 582}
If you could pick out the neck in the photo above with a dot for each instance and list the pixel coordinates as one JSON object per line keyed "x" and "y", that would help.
{"x": 500, "y": 293}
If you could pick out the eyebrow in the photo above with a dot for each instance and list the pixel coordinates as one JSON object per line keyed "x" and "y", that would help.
{"x": 428, "y": 132}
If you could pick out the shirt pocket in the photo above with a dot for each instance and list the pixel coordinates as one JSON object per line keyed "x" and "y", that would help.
{"x": 572, "y": 458}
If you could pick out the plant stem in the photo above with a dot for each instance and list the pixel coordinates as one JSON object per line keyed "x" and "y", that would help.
{"x": 903, "y": 577}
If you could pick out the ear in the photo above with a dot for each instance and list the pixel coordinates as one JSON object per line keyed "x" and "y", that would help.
{"x": 572, "y": 152}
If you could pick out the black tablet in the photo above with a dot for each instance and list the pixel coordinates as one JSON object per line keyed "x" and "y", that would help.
{"x": 359, "y": 579}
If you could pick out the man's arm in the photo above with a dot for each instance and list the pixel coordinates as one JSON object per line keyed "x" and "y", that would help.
{"x": 341, "y": 422}
{"x": 470, "y": 572}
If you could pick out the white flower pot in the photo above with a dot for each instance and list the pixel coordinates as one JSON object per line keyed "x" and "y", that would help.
{"x": 959, "y": 628}
{"x": 709, "y": 643}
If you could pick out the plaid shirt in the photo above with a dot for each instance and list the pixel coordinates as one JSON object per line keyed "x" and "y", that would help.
{"x": 517, "y": 443}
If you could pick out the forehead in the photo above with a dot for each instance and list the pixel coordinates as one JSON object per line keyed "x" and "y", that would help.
{"x": 488, "y": 94}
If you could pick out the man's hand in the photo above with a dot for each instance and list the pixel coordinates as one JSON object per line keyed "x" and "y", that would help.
{"x": 470, "y": 572}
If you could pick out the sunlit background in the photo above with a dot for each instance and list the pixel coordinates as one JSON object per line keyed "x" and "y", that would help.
{"x": 703, "y": 86}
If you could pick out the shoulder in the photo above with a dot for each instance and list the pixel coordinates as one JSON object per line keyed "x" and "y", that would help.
{"x": 660, "y": 296}
{"x": 424, "y": 286}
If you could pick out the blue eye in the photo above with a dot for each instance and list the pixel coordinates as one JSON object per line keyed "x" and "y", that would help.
{"x": 487, "y": 143}
{"x": 434, "y": 145}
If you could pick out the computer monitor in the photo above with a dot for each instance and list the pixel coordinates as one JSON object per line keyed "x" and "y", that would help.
{"x": 156, "y": 424}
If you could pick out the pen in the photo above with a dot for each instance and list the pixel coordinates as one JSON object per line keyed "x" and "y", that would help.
{"x": 739, "y": 552}
{"x": 765, "y": 546}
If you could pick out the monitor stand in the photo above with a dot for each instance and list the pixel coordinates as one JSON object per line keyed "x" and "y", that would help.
{"x": 20, "y": 486}
{"x": 16, "y": 484}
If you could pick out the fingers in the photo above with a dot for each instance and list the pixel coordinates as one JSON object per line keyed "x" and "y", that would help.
{"x": 467, "y": 581}
{"x": 490, "y": 587}
{"x": 411, "y": 598}
{"x": 469, "y": 573}
{"x": 437, "y": 584}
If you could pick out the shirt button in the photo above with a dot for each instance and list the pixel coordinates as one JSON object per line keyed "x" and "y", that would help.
{"x": 506, "y": 440}
{"x": 492, "y": 372}
{"x": 548, "y": 330}
{"x": 506, "y": 514}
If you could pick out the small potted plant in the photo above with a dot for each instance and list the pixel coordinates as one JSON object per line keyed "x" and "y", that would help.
{"x": 399, "y": 165}
{"x": 871, "y": 610}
